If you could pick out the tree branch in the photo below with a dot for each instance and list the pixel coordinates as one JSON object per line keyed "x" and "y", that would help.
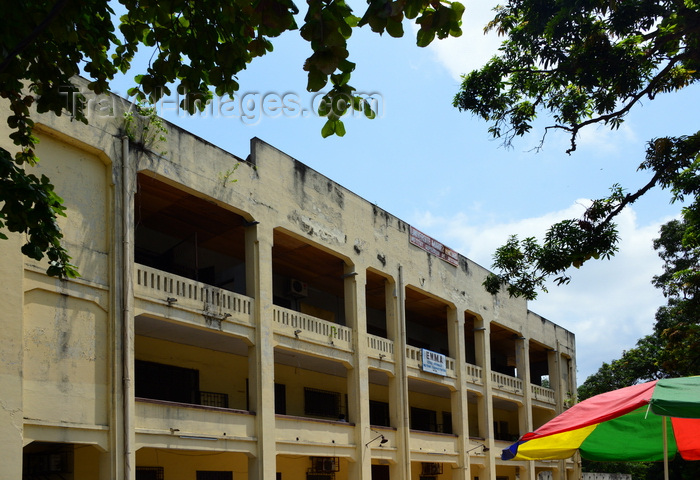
{"x": 55, "y": 10}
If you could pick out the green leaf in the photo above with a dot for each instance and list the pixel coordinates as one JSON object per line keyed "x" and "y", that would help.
{"x": 328, "y": 128}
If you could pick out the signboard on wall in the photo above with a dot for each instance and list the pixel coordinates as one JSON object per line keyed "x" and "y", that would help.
{"x": 434, "y": 362}
{"x": 432, "y": 246}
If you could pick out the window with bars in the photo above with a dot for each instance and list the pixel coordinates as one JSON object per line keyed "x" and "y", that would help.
{"x": 213, "y": 399}
{"x": 378, "y": 413}
{"x": 150, "y": 473}
{"x": 166, "y": 382}
{"x": 321, "y": 403}
{"x": 446, "y": 422}
{"x": 214, "y": 475}
{"x": 422, "y": 419}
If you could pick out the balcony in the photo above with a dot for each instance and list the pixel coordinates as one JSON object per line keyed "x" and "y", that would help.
{"x": 308, "y": 436}
{"x": 166, "y": 423}
{"x": 293, "y": 324}
{"x": 506, "y": 383}
{"x": 429, "y": 446}
{"x": 414, "y": 359}
{"x": 216, "y": 305}
{"x": 542, "y": 394}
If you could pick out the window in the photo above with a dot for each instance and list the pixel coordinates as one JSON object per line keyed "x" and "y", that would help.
{"x": 380, "y": 472}
{"x": 213, "y": 399}
{"x": 379, "y": 413}
{"x": 280, "y": 399}
{"x": 500, "y": 430}
{"x": 214, "y": 475}
{"x": 149, "y": 473}
{"x": 446, "y": 422}
{"x": 321, "y": 403}
{"x": 166, "y": 382}
{"x": 422, "y": 419}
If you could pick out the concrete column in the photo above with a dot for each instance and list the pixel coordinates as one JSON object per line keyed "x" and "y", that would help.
{"x": 482, "y": 345}
{"x": 522, "y": 362}
{"x": 261, "y": 361}
{"x": 11, "y": 350}
{"x": 122, "y": 431}
{"x": 398, "y": 387}
{"x": 358, "y": 376}
{"x": 460, "y": 407}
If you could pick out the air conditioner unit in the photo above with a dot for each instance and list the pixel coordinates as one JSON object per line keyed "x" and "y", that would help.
{"x": 429, "y": 468}
{"x": 297, "y": 288}
{"x": 325, "y": 464}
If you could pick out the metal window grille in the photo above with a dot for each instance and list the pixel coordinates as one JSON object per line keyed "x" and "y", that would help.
{"x": 213, "y": 399}
{"x": 150, "y": 473}
{"x": 214, "y": 475}
{"x": 321, "y": 403}
{"x": 320, "y": 476}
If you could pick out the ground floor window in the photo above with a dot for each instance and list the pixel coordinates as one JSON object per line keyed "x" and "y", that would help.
{"x": 214, "y": 475}
{"x": 150, "y": 473}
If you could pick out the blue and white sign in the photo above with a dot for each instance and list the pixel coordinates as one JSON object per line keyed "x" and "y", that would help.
{"x": 434, "y": 362}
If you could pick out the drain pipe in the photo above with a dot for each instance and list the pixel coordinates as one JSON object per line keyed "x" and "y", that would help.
{"x": 127, "y": 315}
{"x": 403, "y": 373}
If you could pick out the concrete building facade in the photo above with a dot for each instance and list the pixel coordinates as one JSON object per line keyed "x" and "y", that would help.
{"x": 278, "y": 327}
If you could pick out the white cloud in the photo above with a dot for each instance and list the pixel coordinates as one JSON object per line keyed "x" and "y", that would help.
{"x": 473, "y": 49}
{"x": 608, "y": 305}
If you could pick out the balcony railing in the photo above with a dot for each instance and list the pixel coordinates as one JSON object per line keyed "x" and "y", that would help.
{"x": 313, "y": 328}
{"x": 382, "y": 345}
{"x": 157, "y": 416}
{"x": 507, "y": 383}
{"x": 160, "y": 285}
{"x": 414, "y": 358}
{"x": 543, "y": 394}
{"x": 475, "y": 374}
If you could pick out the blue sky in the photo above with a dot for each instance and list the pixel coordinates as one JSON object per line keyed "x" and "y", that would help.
{"x": 437, "y": 169}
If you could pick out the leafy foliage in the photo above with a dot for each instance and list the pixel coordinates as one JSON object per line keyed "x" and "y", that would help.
{"x": 199, "y": 47}
{"x": 585, "y": 62}
{"x": 672, "y": 350}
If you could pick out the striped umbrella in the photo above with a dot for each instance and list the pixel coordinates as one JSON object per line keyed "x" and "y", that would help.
{"x": 645, "y": 422}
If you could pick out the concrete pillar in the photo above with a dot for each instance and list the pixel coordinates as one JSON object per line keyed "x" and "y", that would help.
{"x": 460, "y": 407}
{"x": 358, "y": 375}
{"x": 522, "y": 362}
{"x": 11, "y": 351}
{"x": 482, "y": 345}
{"x": 261, "y": 360}
{"x": 399, "y": 385}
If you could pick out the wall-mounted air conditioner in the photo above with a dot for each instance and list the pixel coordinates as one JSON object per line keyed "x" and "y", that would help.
{"x": 297, "y": 288}
{"x": 325, "y": 464}
{"x": 430, "y": 468}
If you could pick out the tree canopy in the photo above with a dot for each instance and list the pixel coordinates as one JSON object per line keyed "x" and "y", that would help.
{"x": 197, "y": 47}
{"x": 583, "y": 63}
{"x": 672, "y": 350}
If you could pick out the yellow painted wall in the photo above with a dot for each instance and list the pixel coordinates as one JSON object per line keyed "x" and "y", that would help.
{"x": 428, "y": 402}
{"x": 379, "y": 393}
{"x": 65, "y": 349}
{"x": 218, "y": 371}
{"x": 296, "y": 379}
{"x": 296, "y": 467}
{"x": 183, "y": 464}
{"x": 83, "y": 181}
{"x": 507, "y": 416}
{"x": 86, "y": 462}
